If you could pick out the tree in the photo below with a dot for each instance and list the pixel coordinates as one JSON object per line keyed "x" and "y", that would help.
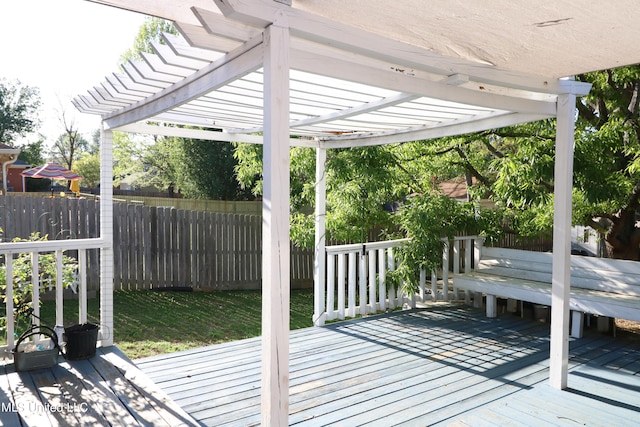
{"x": 68, "y": 146}
{"x": 360, "y": 184}
{"x": 205, "y": 170}
{"x": 19, "y": 109}
{"x": 198, "y": 169}
{"x": 514, "y": 166}
{"x": 88, "y": 167}
{"x": 31, "y": 152}
{"x": 150, "y": 31}
{"x": 608, "y": 159}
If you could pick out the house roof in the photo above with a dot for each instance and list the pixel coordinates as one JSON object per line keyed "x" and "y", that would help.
{"x": 364, "y": 72}
{"x": 456, "y": 188}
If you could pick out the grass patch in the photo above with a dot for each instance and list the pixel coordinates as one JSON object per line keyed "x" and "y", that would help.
{"x": 148, "y": 323}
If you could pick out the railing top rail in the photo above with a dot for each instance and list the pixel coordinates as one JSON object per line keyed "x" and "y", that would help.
{"x": 353, "y": 247}
{"x": 52, "y": 245}
{"x": 467, "y": 237}
{"x": 357, "y": 247}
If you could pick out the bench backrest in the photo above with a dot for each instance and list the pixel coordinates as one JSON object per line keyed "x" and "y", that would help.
{"x": 603, "y": 274}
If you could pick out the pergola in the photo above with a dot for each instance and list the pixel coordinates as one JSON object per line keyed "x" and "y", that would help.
{"x": 334, "y": 74}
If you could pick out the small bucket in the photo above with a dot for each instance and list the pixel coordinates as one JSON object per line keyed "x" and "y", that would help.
{"x": 81, "y": 341}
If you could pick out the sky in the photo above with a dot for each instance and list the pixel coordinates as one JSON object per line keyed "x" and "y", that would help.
{"x": 63, "y": 48}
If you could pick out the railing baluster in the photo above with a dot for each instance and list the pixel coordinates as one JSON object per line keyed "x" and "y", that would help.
{"x": 456, "y": 264}
{"x": 362, "y": 282}
{"x": 59, "y": 289}
{"x": 434, "y": 285}
{"x": 351, "y": 312}
{"x": 467, "y": 267}
{"x": 82, "y": 286}
{"x": 372, "y": 281}
{"x": 392, "y": 289}
{"x": 331, "y": 287}
{"x": 382, "y": 267}
{"x": 341, "y": 280}
{"x": 9, "y": 296}
{"x": 445, "y": 272}
{"x": 35, "y": 287}
{"x": 423, "y": 282}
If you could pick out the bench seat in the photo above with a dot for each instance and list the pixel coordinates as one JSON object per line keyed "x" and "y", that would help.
{"x": 605, "y": 287}
{"x": 584, "y": 300}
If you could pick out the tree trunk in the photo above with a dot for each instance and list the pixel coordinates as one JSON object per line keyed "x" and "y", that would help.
{"x": 623, "y": 238}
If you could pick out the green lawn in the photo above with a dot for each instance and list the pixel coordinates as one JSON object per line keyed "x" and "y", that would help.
{"x": 148, "y": 323}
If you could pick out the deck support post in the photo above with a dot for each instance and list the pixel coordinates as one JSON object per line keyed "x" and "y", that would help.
{"x": 106, "y": 233}
{"x": 320, "y": 262}
{"x": 560, "y": 280}
{"x": 275, "y": 227}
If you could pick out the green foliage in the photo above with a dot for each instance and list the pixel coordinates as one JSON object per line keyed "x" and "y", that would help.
{"x": 31, "y": 152}
{"x": 248, "y": 168}
{"x": 22, "y": 272}
{"x": 19, "y": 108}
{"x": 428, "y": 220}
{"x": 360, "y": 182}
{"x": 88, "y": 167}
{"x": 205, "y": 170}
{"x": 151, "y": 30}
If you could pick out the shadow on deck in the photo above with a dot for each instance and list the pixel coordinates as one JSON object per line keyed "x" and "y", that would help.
{"x": 105, "y": 390}
{"x": 446, "y": 364}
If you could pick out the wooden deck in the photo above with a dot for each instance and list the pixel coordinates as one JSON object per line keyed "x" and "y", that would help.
{"x": 443, "y": 365}
{"x": 106, "y": 390}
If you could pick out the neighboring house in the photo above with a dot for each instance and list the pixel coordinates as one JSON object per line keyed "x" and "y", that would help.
{"x": 456, "y": 188}
{"x": 15, "y": 181}
{"x": 11, "y": 180}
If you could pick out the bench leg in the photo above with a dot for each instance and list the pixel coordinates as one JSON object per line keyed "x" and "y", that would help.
{"x": 477, "y": 299}
{"x": 604, "y": 324}
{"x": 492, "y": 306}
{"x": 577, "y": 324}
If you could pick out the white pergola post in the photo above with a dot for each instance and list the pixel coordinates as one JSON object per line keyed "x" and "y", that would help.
{"x": 320, "y": 262}
{"x": 106, "y": 233}
{"x": 563, "y": 184}
{"x": 275, "y": 228}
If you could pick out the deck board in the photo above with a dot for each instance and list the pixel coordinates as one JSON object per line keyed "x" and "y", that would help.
{"x": 443, "y": 365}
{"x": 106, "y": 390}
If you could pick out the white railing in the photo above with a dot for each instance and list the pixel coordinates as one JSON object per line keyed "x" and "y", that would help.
{"x": 356, "y": 278}
{"x": 57, "y": 247}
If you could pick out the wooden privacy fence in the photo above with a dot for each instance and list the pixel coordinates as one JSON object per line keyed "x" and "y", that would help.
{"x": 156, "y": 247}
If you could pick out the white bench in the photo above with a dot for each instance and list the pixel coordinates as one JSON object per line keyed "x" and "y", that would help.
{"x": 602, "y": 286}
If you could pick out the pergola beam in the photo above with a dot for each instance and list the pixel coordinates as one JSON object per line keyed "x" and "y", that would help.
{"x": 447, "y": 129}
{"x": 322, "y": 30}
{"x": 207, "y": 135}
